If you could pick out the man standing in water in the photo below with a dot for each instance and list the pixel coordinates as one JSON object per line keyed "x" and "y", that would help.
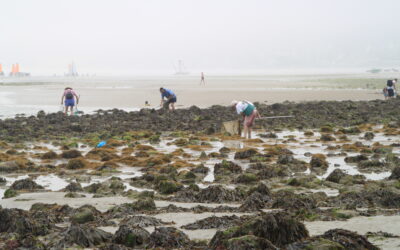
{"x": 69, "y": 95}
{"x": 249, "y": 113}
{"x": 171, "y": 98}
{"x": 202, "y": 81}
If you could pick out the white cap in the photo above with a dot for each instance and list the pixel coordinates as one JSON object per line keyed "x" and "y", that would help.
{"x": 234, "y": 102}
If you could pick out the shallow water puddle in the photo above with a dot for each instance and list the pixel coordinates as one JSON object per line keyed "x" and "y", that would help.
{"x": 51, "y": 182}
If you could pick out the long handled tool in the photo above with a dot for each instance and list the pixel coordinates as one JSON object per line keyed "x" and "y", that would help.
{"x": 234, "y": 127}
{"x": 276, "y": 117}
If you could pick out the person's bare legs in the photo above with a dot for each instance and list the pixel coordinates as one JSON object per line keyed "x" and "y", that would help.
{"x": 172, "y": 106}
{"x": 249, "y": 132}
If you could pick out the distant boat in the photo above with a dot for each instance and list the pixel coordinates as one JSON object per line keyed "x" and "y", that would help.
{"x": 180, "y": 69}
{"x": 72, "y": 70}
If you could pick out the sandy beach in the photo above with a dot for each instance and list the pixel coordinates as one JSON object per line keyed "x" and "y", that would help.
{"x": 31, "y": 95}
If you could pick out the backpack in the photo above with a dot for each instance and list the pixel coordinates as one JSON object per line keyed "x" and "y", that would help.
{"x": 389, "y": 83}
{"x": 69, "y": 95}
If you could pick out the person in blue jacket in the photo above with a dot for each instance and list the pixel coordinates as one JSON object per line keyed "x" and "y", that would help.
{"x": 170, "y": 96}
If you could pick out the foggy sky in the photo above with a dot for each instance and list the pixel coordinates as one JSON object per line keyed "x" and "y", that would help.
{"x": 134, "y": 37}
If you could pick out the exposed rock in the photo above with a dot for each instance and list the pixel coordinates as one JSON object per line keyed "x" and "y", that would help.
{"x": 49, "y": 155}
{"x": 279, "y": 228}
{"x": 254, "y": 202}
{"x": 9, "y": 166}
{"x": 285, "y": 159}
{"x": 25, "y": 184}
{"x": 76, "y": 164}
{"x": 249, "y": 242}
{"x": 222, "y": 222}
{"x": 246, "y": 153}
{"x": 226, "y": 167}
{"x": 142, "y": 221}
{"x": 20, "y": 222}
{"x": 74, "y": 195}
{"x": 168, "y": 237}
{"x": 395, "y": 174}
{"x": 336, "y": 175}
{"x": 348, "y": 239}
{"x": 82, "y": 236}
{"x": 355, "y": 159}
{"x": 217, "y": 194}
{"x": 82, "y": 216}
{"x": 318, "y": 162}
{"x": 168, "y": 187}
{"x": 70, "y": 154}
{"x": 369, "y": 135}
{"x": 291, "y": 201}
{"x": 73, "y": 187}
{"x": 131, "y": 236}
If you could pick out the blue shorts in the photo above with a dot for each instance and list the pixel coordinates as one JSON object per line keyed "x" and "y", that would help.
{"x": 172, "y": 100}
{"x": 69, "y": 102}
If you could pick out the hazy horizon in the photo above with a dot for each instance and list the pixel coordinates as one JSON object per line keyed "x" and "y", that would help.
{"x": 148, "y": 37}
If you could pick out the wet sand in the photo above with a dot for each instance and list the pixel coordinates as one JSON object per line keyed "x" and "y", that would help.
{"x": 131, "y": 93}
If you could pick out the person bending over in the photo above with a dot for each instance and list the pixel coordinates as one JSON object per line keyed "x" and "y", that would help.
{"x": 249, "y": 113}
{"x": 170, "y": 98}
{"x": 68, "y": 99}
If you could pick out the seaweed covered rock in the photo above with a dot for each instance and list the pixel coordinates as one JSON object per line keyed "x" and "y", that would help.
{"x": 348, "y": 239}
{"x": 254, "y": 202}
{"x": 168, "y": 187}
{"x": 78, "y": 163}
{"x": 49, "y": 155}
{"x": 227, "y": 167}
{"x": 82, "y": 216}
{"x": 291, "y": 201}
{"x": 246, "y": 153}
{"x": 142, "y": 221}
{"x": 222, "y": 222}
{"x": 336, "y": 176}
{"x": 123, "y": 210}
{"x": 73, "y": 187}
{"x": 279, "y": 228}
{"x": 9, "y": 166}
{"x": 369, "y": 135}
{"x": 80, "y": 236}
{"x": 249, "y": 242}
{"x": 318, "y": 163}
{"x": 218, "y": 194}
{"x": 168, "y": 237}
{"x": 131, "y": 236}
{"x": 70, "y": 154}
{"x": 25, "y": 184}
{"x": 21, "y": 222}
{"x": 355, "y": 159}
{"x": 395, "y": 174}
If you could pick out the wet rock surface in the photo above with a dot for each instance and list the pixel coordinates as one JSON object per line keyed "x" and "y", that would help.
{"x": 168, "y": 237}
{"x": 222, "y": 222}
{"x": 321, "y": 169}
{"x": 116, "y": 122}
{"x": 280, "y": 229}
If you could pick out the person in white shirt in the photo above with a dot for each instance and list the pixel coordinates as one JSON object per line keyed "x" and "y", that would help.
{"x": 249, "y": 113}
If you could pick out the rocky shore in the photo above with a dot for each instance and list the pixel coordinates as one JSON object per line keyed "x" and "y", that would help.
{"x": 173, "y": 181}
{"x": 117, "y": 122}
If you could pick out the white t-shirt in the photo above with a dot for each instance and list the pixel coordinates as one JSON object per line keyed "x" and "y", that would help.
{"x": 241, "y": 106}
